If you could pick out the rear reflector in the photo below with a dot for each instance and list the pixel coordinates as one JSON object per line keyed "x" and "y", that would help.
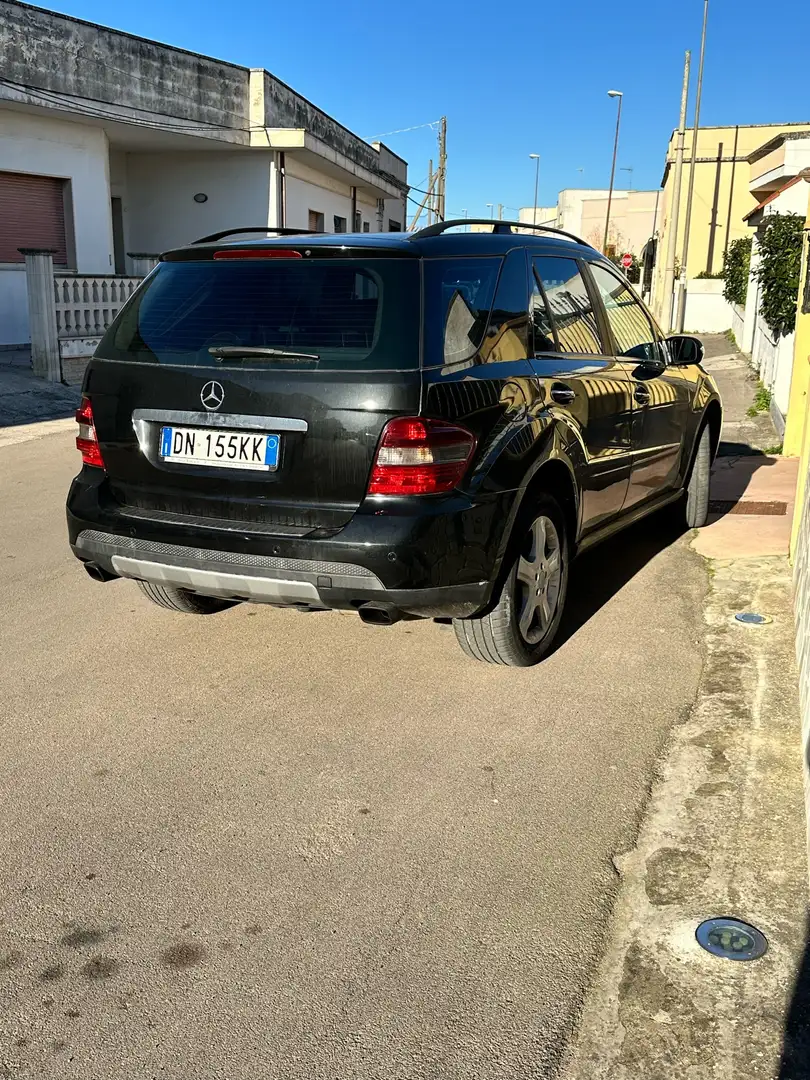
{"x": 420, "y": 457}
{"x": 257, "y": 253}
{"x": 86, "y": 440}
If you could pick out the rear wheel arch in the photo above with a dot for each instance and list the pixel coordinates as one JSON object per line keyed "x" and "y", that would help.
{"x": 553, "y": 476}
{"x": 556, "y": 478}
{"x": 713, "y": 416}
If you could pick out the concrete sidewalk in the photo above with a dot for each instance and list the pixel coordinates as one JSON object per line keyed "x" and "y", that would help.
{"x": 753, "y": 492}
{"x": 724, "y": 833}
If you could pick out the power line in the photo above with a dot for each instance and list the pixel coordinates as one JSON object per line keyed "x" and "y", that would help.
{"x": 401, "y": 131}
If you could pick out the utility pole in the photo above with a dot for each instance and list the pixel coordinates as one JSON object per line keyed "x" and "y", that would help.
{"x": 675, "y": 203}
{"x": 536, "y": 158}
{"x": 426, "y": 201}
{"x": 500, "y": 211}
{"x": 614, "y": 94}
{"x": 431, "y": 179}
{"x": 441, "y": 188}
{"x": 682, "y": 293}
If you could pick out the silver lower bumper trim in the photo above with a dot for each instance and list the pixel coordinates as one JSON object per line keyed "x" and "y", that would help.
{"x": 216, "y": 583}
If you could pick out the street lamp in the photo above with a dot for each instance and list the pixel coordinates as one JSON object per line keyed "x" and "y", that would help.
{"x": 491, "y": 210}
{"x": 464, "y": 212}
{"x": 614, "y": 94}
{"x": 535, "y": 157}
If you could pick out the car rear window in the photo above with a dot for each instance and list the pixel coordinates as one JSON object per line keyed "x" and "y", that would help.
{"x": 352, "y": 314}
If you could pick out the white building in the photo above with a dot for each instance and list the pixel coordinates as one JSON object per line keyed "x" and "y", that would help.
{"x": 114, "y": 147}
{"x": 582, "y": 211}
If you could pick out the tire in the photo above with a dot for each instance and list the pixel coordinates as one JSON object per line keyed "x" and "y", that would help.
{"x": 500, "y": 636}
{"x": 190, "y": 603}
{"x": 697, "y": 489}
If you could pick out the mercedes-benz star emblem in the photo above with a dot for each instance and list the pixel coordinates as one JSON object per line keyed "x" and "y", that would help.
{"x": 212, "y": 395}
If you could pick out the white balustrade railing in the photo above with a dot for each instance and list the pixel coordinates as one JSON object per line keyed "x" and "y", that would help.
{"x": 86, "y": 304}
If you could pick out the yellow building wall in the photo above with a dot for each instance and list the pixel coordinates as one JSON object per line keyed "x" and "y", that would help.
{"x": 797, "y": 421}
{"x": 721, "y": 199}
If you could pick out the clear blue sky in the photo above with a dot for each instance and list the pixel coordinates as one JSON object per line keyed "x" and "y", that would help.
{"x": 512, "y": 78}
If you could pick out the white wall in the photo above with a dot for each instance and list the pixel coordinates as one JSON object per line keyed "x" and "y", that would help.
{"x": 310, "y": 190}
{"x": 78, "y": 153}
{"x": 707, "y": 310}
{"x": 159, "y": 207}
{"x": 13, "y": 306}
{"x": 738, "y": 323}
{"x": 773, "y": 359}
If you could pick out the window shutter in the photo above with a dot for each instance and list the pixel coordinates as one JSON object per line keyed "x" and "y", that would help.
{"x": 32, "y": 214}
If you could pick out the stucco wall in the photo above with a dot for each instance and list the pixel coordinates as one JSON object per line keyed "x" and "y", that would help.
{"x": 160, "y": 211}
{"x": 64, "y": 55}
{"x": 13, "y": 307}
{"x": 707, "y": 310}
{"x": 308, "y": 190}
{"x": 77, "y": 152}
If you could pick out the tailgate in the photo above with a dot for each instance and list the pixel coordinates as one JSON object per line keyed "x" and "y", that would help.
{"x": 332, "y": 353}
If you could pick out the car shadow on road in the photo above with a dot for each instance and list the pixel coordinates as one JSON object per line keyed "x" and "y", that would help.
{"x": 599, "y": 574}
{"x": 795, "y": 1060}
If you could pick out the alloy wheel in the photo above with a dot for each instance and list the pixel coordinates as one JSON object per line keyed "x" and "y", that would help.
{"x": 539, "y": 578}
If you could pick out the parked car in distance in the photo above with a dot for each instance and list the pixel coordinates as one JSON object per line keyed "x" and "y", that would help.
{"x": 428, "y": 424}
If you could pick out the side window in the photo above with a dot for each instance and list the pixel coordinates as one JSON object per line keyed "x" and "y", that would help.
{"x": 569, "y": 305}
{"x": 541, "y": 320}
{"x": 458, "y": 295}
{"x": 507, "y": 336}
{"x": 631, "y": 328}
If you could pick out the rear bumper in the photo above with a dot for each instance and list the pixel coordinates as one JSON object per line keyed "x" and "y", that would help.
{"x": 267, "y": 580}
{"x": 435, "y": 559}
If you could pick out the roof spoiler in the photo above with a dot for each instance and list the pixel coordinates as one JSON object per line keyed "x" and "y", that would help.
{"x": 277, "y": 231}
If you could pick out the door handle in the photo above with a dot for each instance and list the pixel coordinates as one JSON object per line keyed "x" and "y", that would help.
{"x": 642, "y": 395}
{"x": 563, "y": 395}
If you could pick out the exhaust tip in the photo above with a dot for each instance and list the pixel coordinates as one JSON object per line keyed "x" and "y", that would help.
{"x": 380, "y": 616}
{"x": 98, "y": 573}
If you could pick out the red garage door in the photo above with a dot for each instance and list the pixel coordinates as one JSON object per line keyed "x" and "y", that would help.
{"x": 32, "y": 214}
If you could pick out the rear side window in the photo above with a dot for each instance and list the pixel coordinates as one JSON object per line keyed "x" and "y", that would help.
{"x": 458, "y": 299}
{"x": 570, "y": 305}
{"x": 541, "y": 320}
{"x": 507, "y": 336}
{"x": 352, "y": 314}
{"x": 631, "y": 328}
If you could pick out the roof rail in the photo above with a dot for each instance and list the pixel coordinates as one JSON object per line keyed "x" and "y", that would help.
{"x": 497, "y": 227}
{"x": 254, "y": 228}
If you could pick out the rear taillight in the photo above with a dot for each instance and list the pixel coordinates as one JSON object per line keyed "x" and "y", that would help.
{"x": 420, "y": 457}
{"x": 86, "y": 440}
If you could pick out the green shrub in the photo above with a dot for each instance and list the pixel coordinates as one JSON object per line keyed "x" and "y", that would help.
{"x": 736, "y": 266}
{"x": 779, "y": 271}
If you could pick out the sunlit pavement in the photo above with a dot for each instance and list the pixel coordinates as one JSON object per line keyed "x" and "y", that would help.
{"x": 266, "y": 844}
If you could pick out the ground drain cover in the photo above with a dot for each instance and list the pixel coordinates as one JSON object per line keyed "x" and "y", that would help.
{"x": 755, "y": 509}
{"x": 751, "y": 618}
{"x": 731, "y": 939}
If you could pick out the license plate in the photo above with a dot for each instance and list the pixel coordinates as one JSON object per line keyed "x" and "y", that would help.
{"x": 225, "y": 449}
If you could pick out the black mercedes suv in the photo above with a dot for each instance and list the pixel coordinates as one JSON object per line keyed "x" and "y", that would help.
{"x": 430, "y": 424}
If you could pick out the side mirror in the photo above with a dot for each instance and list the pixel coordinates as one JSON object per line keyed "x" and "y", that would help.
{"x": 685, "y": 350}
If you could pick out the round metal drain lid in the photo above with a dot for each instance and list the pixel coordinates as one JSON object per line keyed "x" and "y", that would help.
{"x": 731, "y": 939}
{"x": 752, "y": 618}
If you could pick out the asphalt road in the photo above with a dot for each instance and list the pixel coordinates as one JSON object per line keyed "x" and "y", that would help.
{"x": 272, "y": 845}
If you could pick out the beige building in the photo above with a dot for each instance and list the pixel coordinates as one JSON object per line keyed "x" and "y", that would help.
{"x": 723, "y": 195}
{"x": 583, "y": 211}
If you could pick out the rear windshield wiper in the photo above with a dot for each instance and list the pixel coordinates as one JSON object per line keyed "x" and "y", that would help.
{"x": 254, "y": 352}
